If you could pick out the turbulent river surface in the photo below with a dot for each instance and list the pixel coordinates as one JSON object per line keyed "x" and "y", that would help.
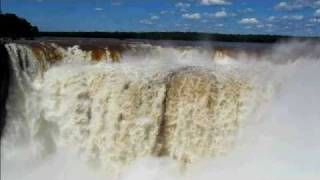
{"x": 126, "y": 110}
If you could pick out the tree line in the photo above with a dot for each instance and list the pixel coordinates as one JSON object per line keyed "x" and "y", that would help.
{"x": 186, "y": 36}
{"x": 15, "y": 27}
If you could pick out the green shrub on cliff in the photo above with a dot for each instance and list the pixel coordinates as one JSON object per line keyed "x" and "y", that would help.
{"x": 15, "y": 27}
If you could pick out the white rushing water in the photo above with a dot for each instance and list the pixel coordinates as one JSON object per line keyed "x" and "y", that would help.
{"x": 163, "y": 113}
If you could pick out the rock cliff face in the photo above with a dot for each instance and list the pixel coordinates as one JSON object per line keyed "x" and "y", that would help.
{"x": 4, "y": 84}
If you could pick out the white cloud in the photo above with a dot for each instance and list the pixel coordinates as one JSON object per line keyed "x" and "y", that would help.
{"x": 260, "y": 26}
{"x": 298, "y": 18}
{"x": 289, "y": 6}
{"x": 221, "y": 14}
{"x": 285, "y": 18}
{"x": 150, "y": 21}
{"x": 269, "y": 25}
{"x": 233, "y": 14}
{"x": 248, "y": 10}
{"x": 317, "y": 3}
{"x": 183, "y": 5}
{"x": 98, "y": 9}
{"x": 249, "y": 21}
{"x": 191, "y": 16}
{"x": 317, "y": 13}
{"x": 186, "y": 28}
{"x": 282, "y": 5}
{"x": 309, "y": 25}
{"x": 163, "y": 12}
{"x": 314, "y": 20}
{"x": 271, "y": 18}
{"x": 215, "y": 2}
{"x": 183, "y": 10}
{"x": 155, "y": 17}
{"x": 293, "y": 17}
{"x": 115, "y": 2}
{"x": 146, "y": 21}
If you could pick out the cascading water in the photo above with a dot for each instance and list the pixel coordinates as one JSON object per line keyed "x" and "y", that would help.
{"x": 145, "y": 111}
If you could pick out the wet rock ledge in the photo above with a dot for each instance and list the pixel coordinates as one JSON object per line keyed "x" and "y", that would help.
{"x": 4, "y": 84}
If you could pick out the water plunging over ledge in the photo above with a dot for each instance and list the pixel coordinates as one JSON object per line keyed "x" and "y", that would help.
{"x": 113, "y": 104}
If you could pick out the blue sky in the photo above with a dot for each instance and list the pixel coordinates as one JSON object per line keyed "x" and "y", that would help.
{"x": 286, "y": 17}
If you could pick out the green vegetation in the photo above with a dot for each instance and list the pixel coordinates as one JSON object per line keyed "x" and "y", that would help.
{"x": 14, "y": 27}
{"x": 186, "y": 36}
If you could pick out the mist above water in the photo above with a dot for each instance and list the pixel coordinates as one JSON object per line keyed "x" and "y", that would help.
{"x": 267, "y": 109}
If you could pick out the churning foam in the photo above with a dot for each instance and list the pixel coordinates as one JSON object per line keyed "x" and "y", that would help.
{"x": 162, "y": 113}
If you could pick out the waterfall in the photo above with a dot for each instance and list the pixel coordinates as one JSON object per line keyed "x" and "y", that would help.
{"x": 115, "y": 105}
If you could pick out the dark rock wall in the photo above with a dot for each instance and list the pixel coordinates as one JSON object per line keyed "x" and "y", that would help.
{"x": 4, "y": 85}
